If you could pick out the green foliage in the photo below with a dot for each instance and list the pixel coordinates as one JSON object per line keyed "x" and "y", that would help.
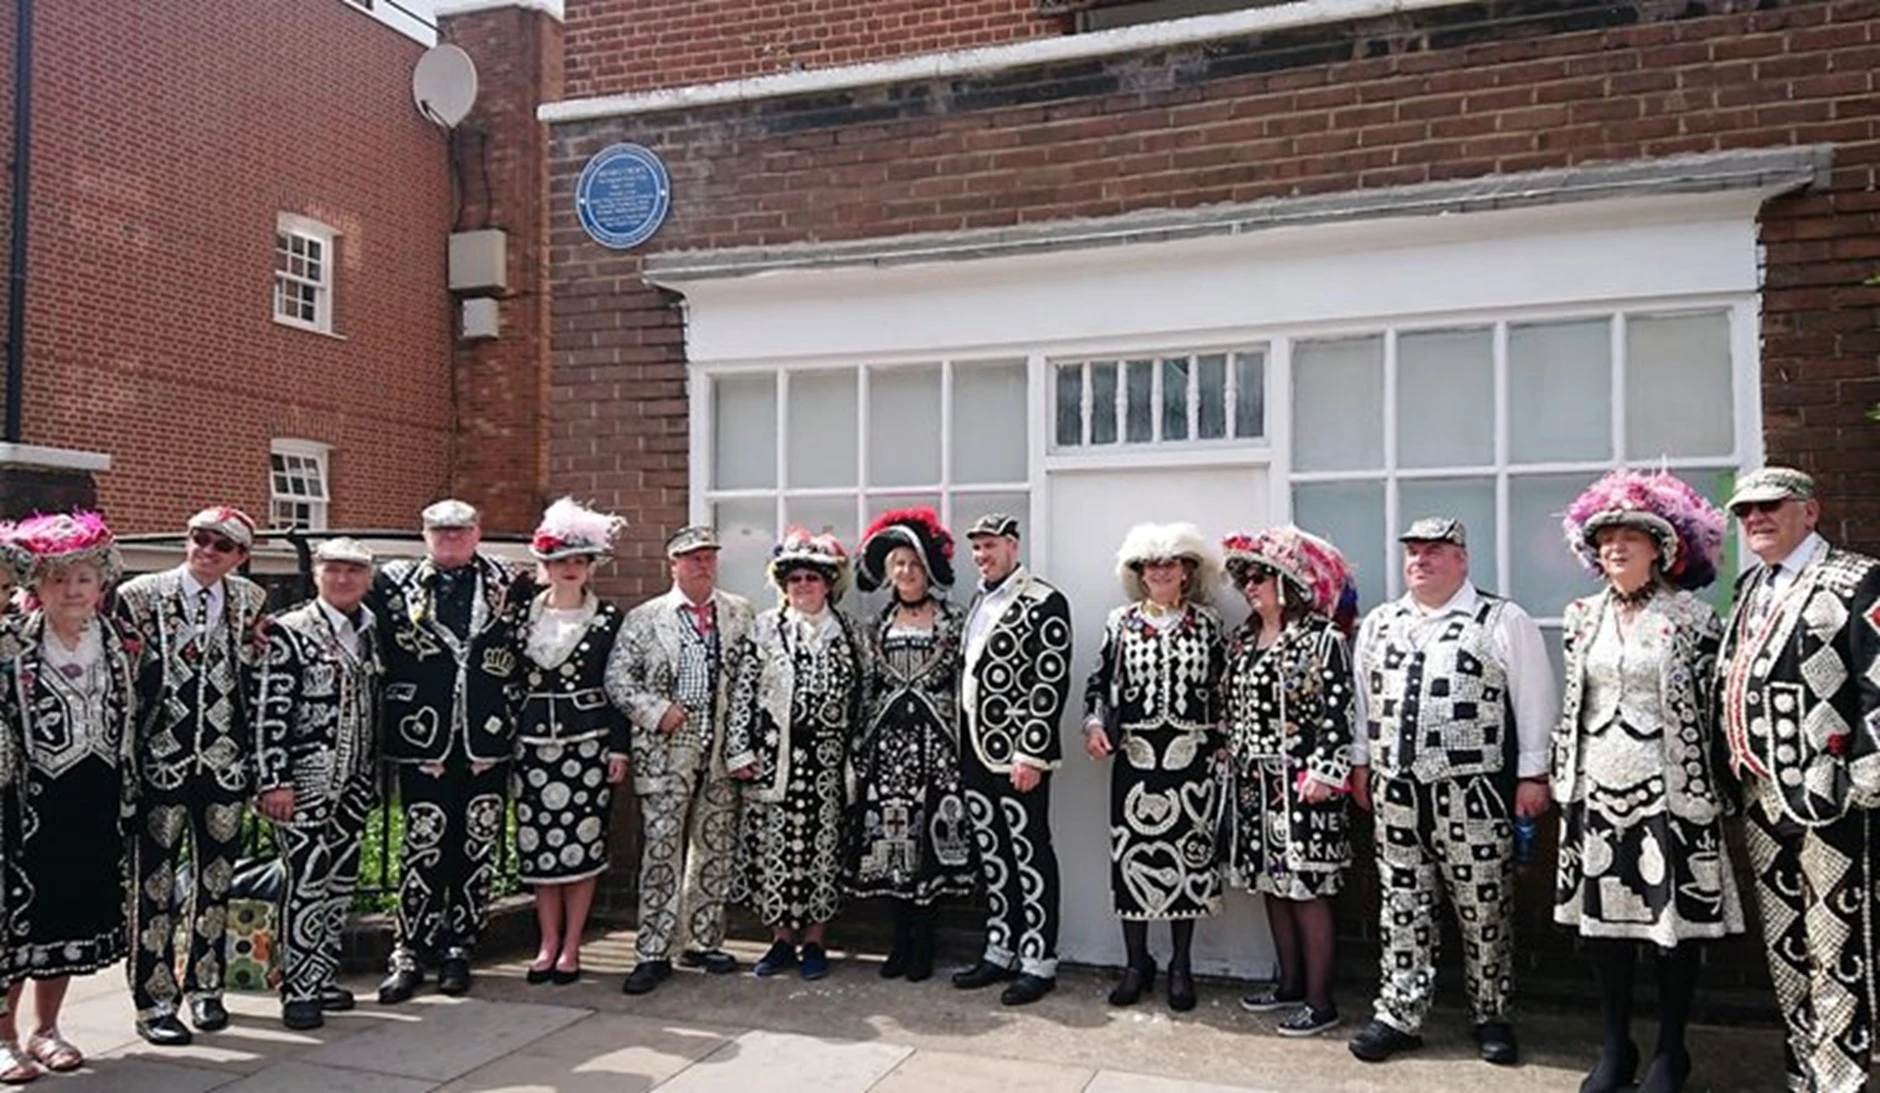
{"x": 379, "y": 861}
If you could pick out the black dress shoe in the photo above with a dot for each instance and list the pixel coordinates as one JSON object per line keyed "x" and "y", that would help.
{"x": 714, "y": 961}
{"x": 301, "y": 1016}
{"x": 1496, "y": 1039}
{"x": 646, "y": 975}
{"x": 208, "y": 1014}
{"x": 1378, "y": 1041}
{"x": 336, "y": 1000}
{"x": 165, "y": 1031}
{"x": 535, "y": 977}
{"x": 453, "y": 975}
{"x": 1026, "y": 989}
{"x": 400, "y": 986}
{"x": 779, "y": 958}
{"x": 1613, "y": 1071}
{"x": 1181, "y": 988}
{"x": 983, "y": 974}
{"x": 1666, "y": 1073}
{"x": 896, "y": 965}
{"x": 1135, "y": 983}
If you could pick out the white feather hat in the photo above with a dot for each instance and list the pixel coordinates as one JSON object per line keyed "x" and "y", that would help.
{"x": 1157, "y": 542}
{"x": 570, "y": 528}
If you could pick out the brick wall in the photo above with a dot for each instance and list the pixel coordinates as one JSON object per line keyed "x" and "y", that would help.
{"x": 1451, "y": 93}
{"x": 166, "y": 140}
{"x": 502, "y": 385}
{"x": 636, "y": 45}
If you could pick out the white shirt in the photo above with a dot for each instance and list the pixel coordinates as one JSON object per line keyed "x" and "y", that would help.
{"x": 1518, "y": 644}
{"x": 992, "y": 605}
{"x": 191, "y": 595}
{"x": 1800, "y": 558}
{"x": 344, "y": 628}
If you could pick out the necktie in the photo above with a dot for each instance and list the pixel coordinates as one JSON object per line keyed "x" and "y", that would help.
{"x": 701, "y": 617}
{"x": 1766, "y": 595}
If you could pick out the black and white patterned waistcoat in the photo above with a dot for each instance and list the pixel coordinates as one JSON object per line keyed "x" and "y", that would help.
{"x": 1439, "y": 693}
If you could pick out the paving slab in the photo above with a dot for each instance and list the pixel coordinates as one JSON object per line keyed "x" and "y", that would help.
{"x": 441, "y": 1039}
{"x": 298, "y": 1077}
{"x": 115, "y": 1075}
{"x": 604, "y": 1053}
{"x": 952, "y": 1072}
{"x": 779, "y": 1062}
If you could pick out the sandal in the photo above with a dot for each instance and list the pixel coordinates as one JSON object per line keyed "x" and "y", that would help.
{"x": 54, "y": 1052}
{"x": 16, "y": 1068}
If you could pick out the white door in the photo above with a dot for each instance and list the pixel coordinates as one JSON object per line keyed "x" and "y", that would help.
{"x": 1089, "y": 513}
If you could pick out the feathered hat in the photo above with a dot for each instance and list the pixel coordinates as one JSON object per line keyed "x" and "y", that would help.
{"x": 820, "y": 553}
{"x": 1314, "y": 567}
{"x": 919, "y": 529}
{"x": 62, "y": 540}
{"x": 1167, "y": 542}
{"x": 16, "y": 559}
{"x": 1687, "y": 528}
{"x": 569, "y": 529}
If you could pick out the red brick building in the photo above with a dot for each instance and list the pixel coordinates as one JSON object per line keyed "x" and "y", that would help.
{"x": 236, "y": 265}
{"x": 1335, "y": 261}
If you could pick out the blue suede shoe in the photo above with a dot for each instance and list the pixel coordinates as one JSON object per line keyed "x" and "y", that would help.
{"x": 781, "y": 958}
{"x": 815, "y": 961}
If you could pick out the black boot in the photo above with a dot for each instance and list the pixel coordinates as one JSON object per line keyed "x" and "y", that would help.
{"x": 1138, "y": 980}
{"x": 920, "y": 944}
{"x": 902, "y": 950}
{"x": 1181, "y": 986}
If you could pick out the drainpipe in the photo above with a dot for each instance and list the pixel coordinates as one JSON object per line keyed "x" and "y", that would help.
{"x": 16, "y": 262}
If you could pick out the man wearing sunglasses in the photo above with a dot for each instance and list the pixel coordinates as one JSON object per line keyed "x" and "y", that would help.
{"x": 452, "y": 774}
{"x": 195, "y": 756}
{"x": 1801, "y": 708}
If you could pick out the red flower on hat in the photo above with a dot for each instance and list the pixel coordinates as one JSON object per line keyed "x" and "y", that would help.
{"x": 546, "y": 543}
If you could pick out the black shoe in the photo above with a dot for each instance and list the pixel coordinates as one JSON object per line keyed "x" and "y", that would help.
{"x": 400, "y": 986}
{"x": 1306, "y": 1021}
{"x": 1135, "y": 983}
{"x": 563, "y": 977}
{"x": 1269, "y": 999}
{"x": 453, "y": 975}
{"x": 1026, "y": 989}
{"x": 301, "y": 1016}
{"x": 780, "y": 958}
{"x": 208, "y": 1014}
{"x": 165, "y": 1031}
{"x": 1497, "y": 1042}
{"x": 535, "y": 977}
{"x": 1181, "y": 988}
{"x": 815, "y": 961}
{"x": 1667, "y": 1073}
{"x": 896, "y": 965}
{"x": 920, "y": 950}
{"x": 1613, "y": 1071}
{"x": 336, "y": 1000}
{"x": 714, "y": 961}
{"x": 1378, "y": 1041}
{"x": 646, "y": 975}
{"x": 983, "y": 974}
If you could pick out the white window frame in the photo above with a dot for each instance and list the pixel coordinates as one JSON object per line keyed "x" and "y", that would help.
{"x": 317, "y": 507}
{"x": 289, "y": 227}
{"x": 1193, "y": 441}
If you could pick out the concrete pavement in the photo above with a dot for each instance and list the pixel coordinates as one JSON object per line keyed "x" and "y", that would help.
{"x": 850, "y": 1033}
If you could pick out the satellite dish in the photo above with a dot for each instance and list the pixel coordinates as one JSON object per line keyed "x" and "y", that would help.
{"x": 444, "y": 85}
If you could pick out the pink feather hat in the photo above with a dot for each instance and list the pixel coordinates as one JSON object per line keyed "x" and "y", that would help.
{"x": 1313, "y": 565}
{"x": 1688, "y": 528}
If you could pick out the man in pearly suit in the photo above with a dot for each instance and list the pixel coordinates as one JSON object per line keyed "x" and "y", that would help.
{"x": 670, "y": 672}
{"x": 1801, "y": 709}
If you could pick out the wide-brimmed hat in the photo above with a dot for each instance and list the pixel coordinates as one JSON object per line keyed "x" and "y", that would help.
{"x": 1163, "y": 543}
{"x": 63, "y": 540}
{"x": 1772, "y": 484}
{"x": 570, "y": 529}
{"x": 1313, "y": 567}
{"x": 918, "y": 529}
{"x": 230, "y": 523}
{"x": 1687, "y": 528}
{"x": 821, "y": 553}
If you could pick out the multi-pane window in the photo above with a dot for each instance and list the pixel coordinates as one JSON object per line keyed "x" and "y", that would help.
{"x": 829, "y": 449}
{"x": 1159, "y": 399}
{"x": 303, "y": 273}
{"x": 1502, "y": 424}
{"x": 298, "y": 490}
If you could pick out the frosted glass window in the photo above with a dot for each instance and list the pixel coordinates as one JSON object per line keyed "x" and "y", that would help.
{"x": 822, "y": 428}
{"x": 1338, "y": 405}
{"x": 1211, "y": 397}
{"x": 1446, "y": 399}
{"x": 903, "y": 426}
{"x": 1543, "y": 575}
{"x": 747, "y": 528}
{"x": 1139, "y": 422}
{"x": 1678, "y": 398}
{"x": 1249, "y": 395}
{"x": 1070, "y": 405}
{"x": 1351, "y": 515}
{"x": 817, "y": 515}
{"x": 1560, "y": 391}
{"x": 968, "y": 507}
{"x": 744, "y": 432}
{"x": 989, "y": 422}
{"x": 879, "y": 503}
{"x": 1175, "y": 399}
{"x": 1470, "y": 500}
{"x": 1103, "y": 402}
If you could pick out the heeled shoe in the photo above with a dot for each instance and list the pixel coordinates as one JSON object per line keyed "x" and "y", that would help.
{"x": 1181, "y": 988}
{"x": 1613, "y": 1071}
{"x": 1136, "y": 982}
{"x": 535, "y": 977}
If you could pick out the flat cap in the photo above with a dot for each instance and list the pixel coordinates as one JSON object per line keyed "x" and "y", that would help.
{"x": 343, "y": 548}
{"x": 694, "y": 537}
{"x": 994, "y": 523}
{"x": 1436, "y": 529}
{"x": 1772, "y": 484}
{"x": 231, "y": 523}
{"x": 451, "y": 513}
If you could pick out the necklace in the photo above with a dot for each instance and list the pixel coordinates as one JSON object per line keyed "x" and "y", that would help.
{"x": 913, "y": 605}
{"x": 1635, "y": 598}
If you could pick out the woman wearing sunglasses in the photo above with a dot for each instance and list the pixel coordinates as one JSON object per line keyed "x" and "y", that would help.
{"x": 1290, "y": 711}
{"x": 795, "y": 706}
{"x": 1154, "y": 700}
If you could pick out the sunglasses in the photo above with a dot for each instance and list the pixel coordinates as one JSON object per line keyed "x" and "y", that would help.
{"x": 217, "y": 543}
{"x": 802, "y": 578}
{"x": 1259, "y": 575}
{"x": 1745, "y": 508}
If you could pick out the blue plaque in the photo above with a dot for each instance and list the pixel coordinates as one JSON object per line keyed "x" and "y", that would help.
{"x": 622, "y": 196}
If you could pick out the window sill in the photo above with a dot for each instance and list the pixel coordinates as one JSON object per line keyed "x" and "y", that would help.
{"x": 308, "y": 328}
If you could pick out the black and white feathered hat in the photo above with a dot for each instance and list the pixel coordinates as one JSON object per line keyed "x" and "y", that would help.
{"x": 1168, "y": 542}
{"x": 919, "y": 529}
{"x": 569, "y": 529}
